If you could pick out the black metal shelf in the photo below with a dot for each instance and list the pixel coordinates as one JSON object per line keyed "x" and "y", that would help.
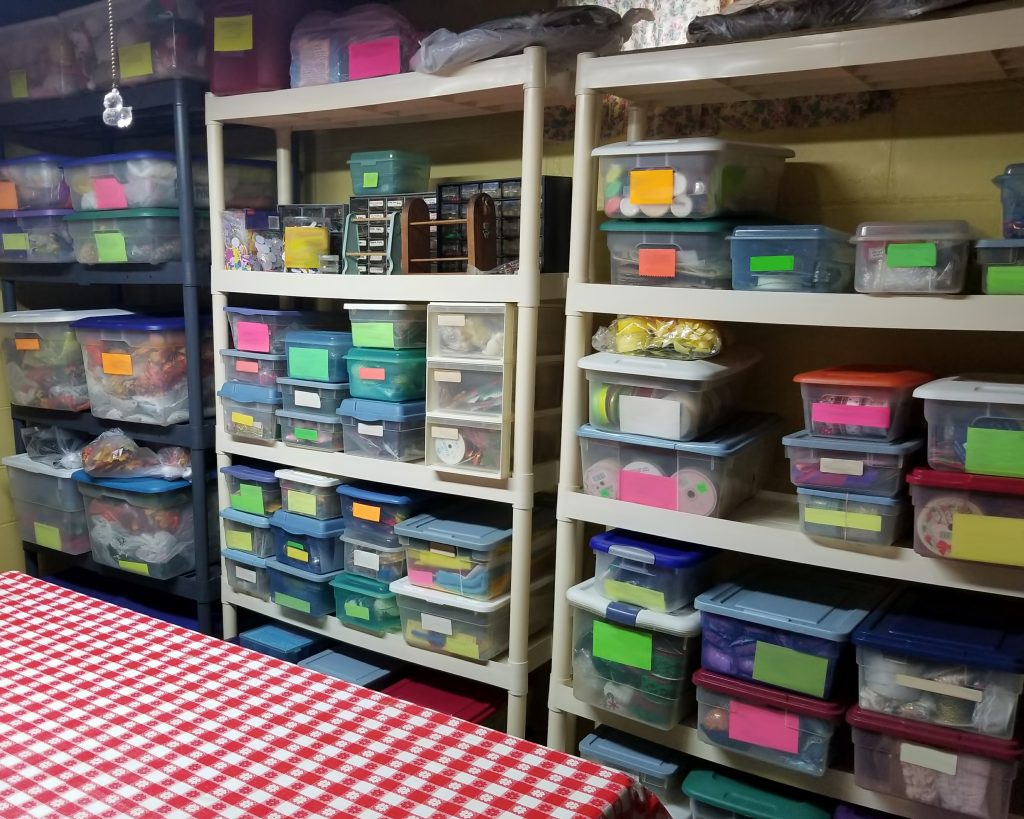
{"x": 183, "y": 435}
{"x": 81, "y": 274}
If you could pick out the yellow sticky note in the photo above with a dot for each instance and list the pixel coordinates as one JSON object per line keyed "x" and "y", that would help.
{"x": 132, "y": 566}
{"x": 300, "y": 555}
{"x": 637, "y": 595}
{"x": 48, "y": 536}
{"x": 135, "y": 60}
{"x": 464, "y": 645}
{"x": 241, "y": 419}
{"x": 15, "y": 241}
{"x": 232, "y": 33}
{"x": 651, "y": 187}
{"x": 848, "y": 520}
{"x": 242, "y": 541}
{"x": 303, "y": 246}
{"x": 304, "y": 503}
{"x": 19, "y": 84}
{"x": 988, "y": 539}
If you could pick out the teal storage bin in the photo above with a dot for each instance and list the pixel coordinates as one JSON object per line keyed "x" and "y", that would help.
{"x": 283, "y": 643}
{"x": 791, "y": 258}
{"x": 318, "y": 355}
{"x": 387, "y": 375}
{"x": 388, "y": 172}
{"x": 365, "y": 604}
{"x": 714, "y": 796}
{"x": 307, "y": 543}
{"x": 355, "y": 666}
{"x": 300, "y": 590}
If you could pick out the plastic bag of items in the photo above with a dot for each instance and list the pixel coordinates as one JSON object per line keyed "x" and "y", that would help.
{"x": 564, "y": 32}
{"x": 366, "y": 41}
{"x": 678, "y": 338}
{"x": 115, "y": 455}
{"x": 782, "y": 16}
{"x": 54, "y": 445}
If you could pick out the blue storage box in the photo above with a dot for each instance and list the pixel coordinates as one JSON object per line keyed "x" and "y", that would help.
{"x": 300, "y": 590}
{"x": 387, "y": 172}
{"x": 246, "y": 574}
{"x": 355, "y": 666}
{"x": 252, "y": 490}
{"x": 318, "y": 355}
{"x": 854, "y": 518}
{"x": 387, "y": 375}
{"x": 311, "y": 430}
{"x": 365, "y": 604}
{"x": 837, "y": 464}
{"x": 1002, "y": 266}
{"x": 388, "y": 430}
{"x": 247, "y": 533}
{"x": 321, "y": 397}
{"x": 657, "y": 768}
{"x": 308, "y": 543}
{"x": 263, "y": 330}
{"x": 283, "y": 643}
{"x": 795, "y": 258}
{"x": 784, "y": 628}
{"x": 249, "y": 411}
{"x": 372, "y": 511}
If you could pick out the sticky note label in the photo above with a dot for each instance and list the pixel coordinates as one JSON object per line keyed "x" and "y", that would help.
{"x": 657, "y": 262}
{"x": 304, "y": 398}
{"x": 1005, "y": 280}
{"x": 110, "y": 247}
{"x": 439, "y": 560}
{"x": 377, "y": 58}
{"x": 651, "y": 186}
{"x": 135, "y": 60}
{"x": 366, "y": 511}
{"x": 247, "y": 366}
{"x": 245, "y": 575}
{"x": 372, "y": 373}
{"x": 448, "y": 376}
{"x": 372, "y": 430}
{"x": 232, "y": 33}
{"x": 465, "y": 645}
{"x": 15, "y": 241}
{"x": 789, "y": 669}
{"x": 27, "y": 344}
{"x": 874, "y": 417}
{"x": 109, "y": 193}
{"x": 366, "y": 560}
{"x": 308, "y": 364}
{"x": 846, "y": 520}
{"x": 649, "y": 489}
{"x": 295, "y": 551}
{"x": 419, "y": 577}
{"x": 48, "y": 536}
{"x": 764, "y": 728}
{"x": 248, "y": 498}
{"x": 841, "y": 466}
{"x": 8, "y": 195}
{"x": 133, "y": 566}
{"x": 637, "y": 595}
{"x": 622, "y": 645}
{"x": 241, "y": 541}
{"x": 911, "y": 254}
{"x": 242, "y": 420}
{"x": 303, "y": 246}
{"x": 302, "y": 502}
{"x": 987, "y": 539}
{"x": 116, "y": 363}
{"x": 451, "y": 320}
{"x": 19, "y": 84}
{"x": 305, "y": 434}
{"x": 290, "y": 602}
{"x": 371, "y": 179}
{"x": 930, "y": 758}
{"x": 355, "y": 611}
{"x": 944, "y": 689}
{"x": 995, "y": 452}
{"x": 252, "y": 336}
{"x": 374, "y": 334}
{"x": 439, "y": 625}
{"x": 660, "y": 417}
{"x": 772, "y": 264}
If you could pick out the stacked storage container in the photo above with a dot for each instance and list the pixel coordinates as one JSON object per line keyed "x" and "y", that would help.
{"x": 34, "y": 200}
{"x": 254, "y": 495}
{"x": 316, "y": 385}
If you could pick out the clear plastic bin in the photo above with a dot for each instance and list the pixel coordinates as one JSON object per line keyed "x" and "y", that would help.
{"x": 656, "y": 768}
{"x": 867, "y": 519}
{"x": 633, "y": 662}
{"x": 709, "y": 477}
{"x": 864, "y": 402}
{"x": 354, "y": 665}
{"x": 388, "y": 326}
{"x": 688, "y": 178}
{"x": 261, "y": 330}
{"x": 365, "y": 604}
{"x": 311, "y": 431}
{"x": 318, "y": 355}
{"x": 139, "y": 236}
{"x": 795, "y": 258}
{"x": 309, "y": 494}
{"x": 864, "y": 467}
{"x": 253, "y": 491}
{"x": 13, "y": 241}
{"x": 33, "y": 183}
{"x": 53, "y": 528}
{"x": 482, "y": 389}
{"x": 670, "y": 254}
{"x": 290, "y": 645}
{"x": 372, "y": 511}
{"x": 1011, "y": 189}
{"x": 975, "y": 423}
{"x": 247, "y": 533}
{"x": 477, "y": 331}
{"x": 964, "y": 774}
{"x": 1002, "y": 266}
{"x": 385, "y": 430}
{"x": 247, "y": 574}
{"x": 387, "y": 172}
{"x": 135, "y": 368}
{"x": 47, "y": 504}
{"x": 664, "y": 398}
{"x": 912, "y": 257}
{"x": 46, "y": 235}
{"x": 387, "y": 375}
{"x": 36, "y": 62}
{"x": 377, "y": 561}
{"x": 249, "y": 411}
{"x": 716, "y": 796}
{"x": 43, "y": 359}
{"x": 484, "y": 447}
{"x": 650, "y": 572}
{"x": 306, "y": 543}
{"x": 261, "y": 369}
{"x": 312, "y": 397}
{"x": 301, "y": 591}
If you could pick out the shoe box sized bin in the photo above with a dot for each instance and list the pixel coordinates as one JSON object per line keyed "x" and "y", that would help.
{"x": 656, "y": 768}
{"x": 716, "y": 796}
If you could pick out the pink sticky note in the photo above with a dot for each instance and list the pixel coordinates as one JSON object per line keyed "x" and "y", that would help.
{"x": 372, "y": 373}
{"x": 421, "y": 577}
{"x": 377, "y": 58}
{"x": 109, "y": 193}
{"x": 650, "y": 490}
{"x": 875, "y": 417}
{"x": 253, "y": 336}
{"x": 766, "y": 729}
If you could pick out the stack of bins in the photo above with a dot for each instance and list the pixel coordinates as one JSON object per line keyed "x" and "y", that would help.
{"x": 34, "y": 199}
{"x": 254, "y": 495}
{"x": 316, "y": 385}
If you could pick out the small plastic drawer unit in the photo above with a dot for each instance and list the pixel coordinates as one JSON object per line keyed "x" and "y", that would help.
{"x": 863, "y": 467}
{"x": 281, "y": 642}
{"x": 912, "y": 257}
{"x": 251, "y": 490}
{"x": 388, "y": 326}
{"x": 34, "y": 182}
{"x": 388, "y": 172}
{"x": 633, "y": 662}
{"x": 257, "y": 330}
{"x": 385, "y": 430}
{"x": 247, "y": 533}
{"x": 708, "y": 477}
{"x": 1011, "y": 188}
{"x": 47, "y": 504}
{"x": 318, "y": 355}
{"x": 247, "y": 574}
{"x": 715, "y": 796}
{"x": 307, "y": 543}
{"x": 136, "y": 236}
{"x": 863, "y": 402}
{"x": 788, "y": 730}
{"x": 317, "y": 397}
{"x": 868, "y": 519}
{"x": 378, "y": 561}
{"x": 1002, "y": 265}
{"x": 670, "y": 254}
{"x": 688, "y": 178}
{"x": 365, "y": 604}
{"x": 475, "y": 389}
{"x": 783, "y": 628}
{"x": 387, "y": 375}
{"x": 354, "y": 666}
{"x": 653, "y": 766}
{"x": 793, "y": 258}
{"x": 261, "y": 369}
{"x": 45, "y": 236}
{"x": 372, "y": 511}
{"x": 309, "y": 494}
{"x": 301, "y": 591}
{"x": 472, "y": 331}
{"x": 311, "y": 430}
{"x": 250, "y": 411}
{"x": 944, "y": 657}
{"x": 664, "y": 398}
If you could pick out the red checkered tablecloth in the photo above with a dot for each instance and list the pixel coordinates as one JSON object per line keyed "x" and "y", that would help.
{"x": 106, "y": 713}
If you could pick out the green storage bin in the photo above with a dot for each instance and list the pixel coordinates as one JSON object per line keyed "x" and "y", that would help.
{"x": 365, "y": 604}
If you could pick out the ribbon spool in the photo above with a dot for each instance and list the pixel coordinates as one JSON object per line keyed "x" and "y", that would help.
{"x": 933, "y": 523}
{"x": 697, "y": 492}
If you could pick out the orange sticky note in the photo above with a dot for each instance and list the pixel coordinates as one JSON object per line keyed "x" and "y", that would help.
{"x": 26, "y": 344}
{"x": 658, "y": 262}
{"x": 651, "y": 187}
{"x": 365, "y": 511}
{"x": 8, "y": 196}
{"x": 117, "y": 363}
{"x": 372, "y": 373}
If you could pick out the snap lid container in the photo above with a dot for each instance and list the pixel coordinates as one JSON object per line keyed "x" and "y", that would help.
{"x": 134, "y": 235}
{"x": 389, "y": 326}
{"x": 1011, "y": 187}
{"x": 715, "y": 796}
{"x": 318, "y": 397}
{"x": 300, "y": 590}
{"x": 388, "y": 172}
{"x": 311, "y": 430}
{"x": 797, "y": 258}
{"x": 863, "y": 467}
{"x": 378, "y": 561}
{"x": 912, "y": 257}
{"x": 290, "y": 645}
{"x": 249, "y": 410}
{"x": 33, "y": 182}
{"x": 373, "y": 511}
{"x": 655, "y": 767}
{"x": 1002, "y": 265}
{"x": 47, "y": 504}
{"x": 307, "y": 543}
{"x": 309, "y": 494}
{"x": 262, "y": 330}
{"x": 246, "y": 574}
{"x": 869, "y": 519}
{"x": 261, "y": 369}
{"x": 354, "y": 666}
{"x": 318, "y": 355}
{"x": 365, "y": 604}
{"x": 247, "y": 533}
{"x": 388, "y": 430}
{"x": 252, "y": 490}
{"x": 46, "y": 235}
{"x": 387, "y": 375}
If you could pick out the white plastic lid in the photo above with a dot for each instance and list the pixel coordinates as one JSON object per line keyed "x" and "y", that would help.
{"x": 727, "y": 364}
{"x": 25, "y": 463}
{"x": 418, "y": 308}
{"x": 992, "y": 388}
{"x": 311, "y": 478}
{"x": 55, "y": 315}
{"x": 687, "y": 146}
{"x": 913, "y": 231}
{"x": 404, "y": 587}
{"x": 680, "y": 623}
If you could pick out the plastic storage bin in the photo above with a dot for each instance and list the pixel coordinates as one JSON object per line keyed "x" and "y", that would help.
{"x": 47, "y": 504}
{"x": 247, "y": 574}
{"x": 912, "y": 257}
{"x": 476, "y": 389}
{"x": 135, "y": 368}
{"x": 968, "y": 517}
{"x": 260, "y": 330}
{"x": 378, "y": 561}
{"x": 13, "y": 241}
{"x": 309, "y": 494}
{"x": 715, "y": 796}
{"x": 388, "y": 326}
{"x": 372, "y": 511}
{"x": 868, "y": 519}
{"x": 301, "y": 591}
{"x": 365, "y": 604}
{"x": 944, "y": 657}
{"x": 250, "y": 490}
{"x": 788, "y": 730}
{"x": 261, "y": 369}
{"x": 484, "y": 447}
{"x": 965, "y": 774}
{"x": 857, "y": 401}
{"x": 47, "y": 238}
{"x": 709, "y": 477}
{"x": 283, "y": 643}
{"x": 796, "y": 258}
{"x": 1011, "y": 188}
{"x": 388, "y": 172}
{"x": 247, "y": 533}
{"x": 474, "y": 702}
{"x": 383, "y": 429}
{"x": 318, "y": 355}
{"x": 249, "y": 411}
{"x": 975, "y": 423}
{"x": 783, "y": 628}
{"x": 387, "y": 375}
{"x": 476, "y": 331}
{"x": 37, "y": 62}
{"x": 664, "y": 398}
{"x": 1002, "y": 265}
{"x": 311, "y": 430}
{"x": 43, "y": 360}
{"x": 651, "y": 572}
{"x": 318, "y": 397}
{"x": 33, "y": 183}
{"x": 653, "y": 766}
{"x": 306, "y": 543}
{"x": 689, "y": 178}
{"x": 670, "y": 254}
{"x": 136, "y": 236}
{"x": 354, "y": 666}
{"x": 631, "y": 661}
{"x": 863, "y": 467}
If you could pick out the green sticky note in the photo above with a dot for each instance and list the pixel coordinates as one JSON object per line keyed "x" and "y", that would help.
{"x": 302, "y": 502}
{"x": 290, "y": 602}
{"x": 772, "y": 264}
{"x": 637, "y": 595}
{"x": 248, "y": 498}
{"x": 48, "y": 536}
{"x": 355, "y": 611}
{"x": 307, "y": 364}
{"x": 790, "y": 669}
{"x": 911, "y": 254}
{"x": 15, "y": 241}
{"x": 132, "y": 566}
{"x": 374, "y": 334}
{"x": 303, "y": 434}
{"x": 242, "y": 541}
{"x": 19, "y": 84}
{"x": 1005, "y": 280}
{"x": 623, "y": 645}
{"x": 995, "y": 452}
{"x": 370, "y": 179}
{"x": 110, "y": 246}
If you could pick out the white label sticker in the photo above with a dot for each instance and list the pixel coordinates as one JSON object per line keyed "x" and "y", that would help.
{"x": 374, "y": 430}
{"x": 448, "y": 433}
{"x": 366, "y": 560}
{"x": 452, "y": 376}
{"x": 248, "y": 575}
{"x": 314, "y": 62}
{"x": 440, "y": 625}
{"x": 690, "y": 258}
{"x": 660, "y": 417}
{"x": 451, "y": 320}
{"x": 925, "y": 757}
{"x": 945, "y": 689}
{"x": 304, "y": 398}
{"x": 841, "y": 466}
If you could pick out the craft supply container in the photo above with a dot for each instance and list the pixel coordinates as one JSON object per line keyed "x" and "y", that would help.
{"x": 476, "y": 447}
{"x": 13, "y": 241}
{"x": 653, "y": 766}
{"x": 47, "y": 504}
{"x": 253, "y": 491}
{"x": 244, "y": 532}
{"x": 318, "y": 355}
{"x": 354, "y": 666}
{"x": 388, "y": 172}
{"x": 688, "y": 178}
{"x": 964, "y": 774}
{"x": 670, "y": 254}
{"x": 464, "y": 388}
{"x": 281, "y": 642}
{"x": 388, "y": 326}
{"x": 707, "y": 477}
{"x": 463, "y": 627}
{"x": 912, "y": 257}
{"x": 365, "y": 604}
{"x": 372, "y": 511}
{"x": 309, "y": 494}
{"x": 975, "y": 424}
{"x": 867, "y": 519}
{"x": 387, "y": 375}
{"x": 302, "y": 591}
{"x": 664, "y": 398}
{"x": 864, "y": 467}
{"x": 261, "y": 330}
{"x": 249, "y": 411}
{"x": 33, "y": 183}
{"x": 968, "y": 517}
{"x": 715, "y": 796}
{"x": 783, "y": 628}
{"x": 381, "y": 562}
{"x": 135, "y": 236}
{"x": 47, "y": 238}
{"x": 311, "y": 430}
{"x": 651, "y": 572}
{"x": 1002, "y": 265}
{"x": 787, "y": 730}
{"x": 246, "y": 574}
{"x": 317, "y": 397}
{"x": 871, "y": 403}
{"x": 631, "y": 661}
{"x": 43, "y": 359}
{"x": 792, "y": 258}
{"x": 307, "y": 543}
{"x": 477, "y": 331}
{"x": 385, "y": 430}
{"x": 1011, "y": 188}
{"x": 261, "y": 369}
{"x": 135, "y": 368}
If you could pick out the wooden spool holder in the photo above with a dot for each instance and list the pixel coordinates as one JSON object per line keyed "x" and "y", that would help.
{"x": 481, "y": 236}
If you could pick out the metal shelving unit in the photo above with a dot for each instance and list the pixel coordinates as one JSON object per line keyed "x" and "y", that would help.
{"x": 511, "y": 84}
{"x": 984, "y": 45}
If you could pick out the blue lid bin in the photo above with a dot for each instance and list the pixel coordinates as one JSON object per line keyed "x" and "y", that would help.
{"x": 249, "y": 411}
{"x": 13, "y": 240}
{"x": 387, "y": 375}
{"x": 655, "y": 767}
{"x": 791, "y": 258}
{"x": 38, "y": 181}
{"x": 318, "y": 355}
{"x": 1011, "y": 188}
{"x": 784, "y": 628}
{"x": 385, "y": 430}
{"x": 365, "y": 604}
{"x": 372, "y": 511}
{"x": 247, "y": 574}
{"x": 854, "y": 518}
{"x": 281, "y": 642}
{"x": 1002, "y": 266}
{"x": 245, "y": 533}
{"x": 840, "y": 465}
{"x": 253, "y": 491}
{"x": 301, "y": 591}
{"x": 320, "y": 397}
{"x": 311, "y": 430}
{"x": 307, "y": 543}
{"x": 388, "y": 172}
{"x": 355, "y": 666}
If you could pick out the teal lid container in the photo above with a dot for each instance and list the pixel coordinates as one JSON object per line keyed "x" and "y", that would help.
{"x": 388, "y": 172}
{"x": 727, "y": 794}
